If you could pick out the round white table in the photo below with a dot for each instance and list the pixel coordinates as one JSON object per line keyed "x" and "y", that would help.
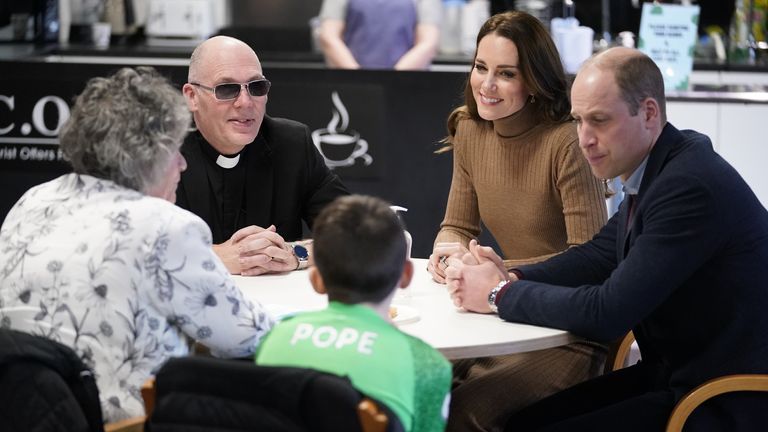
{"x": 454, "y": 332}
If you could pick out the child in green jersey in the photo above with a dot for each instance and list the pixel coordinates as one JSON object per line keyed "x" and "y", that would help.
{"x": 360, "y": 260}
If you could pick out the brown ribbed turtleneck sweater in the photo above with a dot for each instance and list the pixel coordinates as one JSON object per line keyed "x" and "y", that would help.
{"x": 527, "y": 182}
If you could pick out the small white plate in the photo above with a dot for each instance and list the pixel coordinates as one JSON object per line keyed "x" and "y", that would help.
{"x": 405, "y": 314}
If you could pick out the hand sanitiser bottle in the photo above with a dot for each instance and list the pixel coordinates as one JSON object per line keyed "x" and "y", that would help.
{"x": 403, "y": 296}
{"x": 408, "y": 239}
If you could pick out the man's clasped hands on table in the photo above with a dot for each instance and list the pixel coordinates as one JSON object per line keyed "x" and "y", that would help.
{"x": 453, "y": 262}
{"x": 253, "y": 250}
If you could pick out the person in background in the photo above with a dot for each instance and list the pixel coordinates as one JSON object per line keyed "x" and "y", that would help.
{"x": 380, "y": 34}
{"x": 683, "y": 264}
{"x": 517, "y": 169}
{"x": 252, "y": 178}
{"x": 102, "y": 261}
{"x": 360, "y": 261}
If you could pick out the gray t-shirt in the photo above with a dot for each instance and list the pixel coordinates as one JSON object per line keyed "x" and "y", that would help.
{"x": 428, "y": 11}
{"x": 379, "y": 32}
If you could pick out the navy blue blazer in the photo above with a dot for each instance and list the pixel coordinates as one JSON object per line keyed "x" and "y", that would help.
{"x": 690, "y": 278}
{"x": 286, "y": 182}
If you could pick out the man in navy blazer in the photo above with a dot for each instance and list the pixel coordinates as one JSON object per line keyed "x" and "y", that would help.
{"x": 684, "y": 264}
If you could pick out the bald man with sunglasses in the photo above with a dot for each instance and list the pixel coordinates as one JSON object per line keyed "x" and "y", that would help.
{"x": 252, "y": 178}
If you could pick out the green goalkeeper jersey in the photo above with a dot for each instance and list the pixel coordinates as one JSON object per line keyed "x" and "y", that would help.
{"x": 399, "y": 370}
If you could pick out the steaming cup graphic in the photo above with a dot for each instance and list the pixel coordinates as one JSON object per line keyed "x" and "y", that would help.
{"x": 341, "y": 149}
{"x": 340, "y": 145}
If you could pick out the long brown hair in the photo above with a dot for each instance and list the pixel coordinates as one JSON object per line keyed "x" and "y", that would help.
{"x": 538, "y": 62}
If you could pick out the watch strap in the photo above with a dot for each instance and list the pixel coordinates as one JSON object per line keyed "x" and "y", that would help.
{"x": 493, "y": 294}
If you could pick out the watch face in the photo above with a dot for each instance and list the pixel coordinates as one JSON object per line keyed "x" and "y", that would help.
{"x": 301, "y": 252}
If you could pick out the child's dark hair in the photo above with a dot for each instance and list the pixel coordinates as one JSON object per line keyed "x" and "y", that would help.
{"x": 359, "y": 249}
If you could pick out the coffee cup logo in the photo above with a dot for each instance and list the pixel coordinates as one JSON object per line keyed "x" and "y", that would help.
{"x": 339, "y": 145}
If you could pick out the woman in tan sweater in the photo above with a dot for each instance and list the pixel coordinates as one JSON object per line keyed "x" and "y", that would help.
{"x": 518, "y": 169}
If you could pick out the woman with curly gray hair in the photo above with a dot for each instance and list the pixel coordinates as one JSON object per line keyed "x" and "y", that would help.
{"x": 128, "y": 129}
{"x": 102, "y": 261}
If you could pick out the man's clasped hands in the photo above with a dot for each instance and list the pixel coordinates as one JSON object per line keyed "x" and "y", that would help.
{"x": 254, "y": 250}
{"x": 469, "y": 274}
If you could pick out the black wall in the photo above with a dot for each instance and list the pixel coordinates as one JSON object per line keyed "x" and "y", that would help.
{"x": 401, "y": 116}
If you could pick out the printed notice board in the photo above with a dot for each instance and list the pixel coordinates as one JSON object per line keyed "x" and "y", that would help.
{"x": 668, "y": 36}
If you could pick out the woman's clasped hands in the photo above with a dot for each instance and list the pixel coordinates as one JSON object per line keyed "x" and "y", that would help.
{"x": 438, "y": 261}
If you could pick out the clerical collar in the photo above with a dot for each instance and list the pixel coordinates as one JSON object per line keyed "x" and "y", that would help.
{"x": 516, "y": 124}
{"x": 227, "y": 162}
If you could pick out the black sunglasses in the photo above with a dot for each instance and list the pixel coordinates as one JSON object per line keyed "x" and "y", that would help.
{"x": 229, "y": 91}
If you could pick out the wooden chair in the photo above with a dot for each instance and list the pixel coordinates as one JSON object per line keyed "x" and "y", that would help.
{"x": 710, "y": 389}
{"x": 148, "y": 394}
{"x": 133, "y": 424}
{"x": 136, "y": 424}
{"x": 694, "y": 398}
{"x": 294, "y": 397}
{"x": 618, "y": 353}
{"x": 371, "y": 418}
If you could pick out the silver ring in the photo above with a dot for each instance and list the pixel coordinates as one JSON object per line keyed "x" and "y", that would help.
{"x": 443, "y": 260}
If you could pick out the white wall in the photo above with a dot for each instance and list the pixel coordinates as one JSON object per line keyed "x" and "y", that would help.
{"x": 743, "y": 143}
{"x": 738, "y": 133}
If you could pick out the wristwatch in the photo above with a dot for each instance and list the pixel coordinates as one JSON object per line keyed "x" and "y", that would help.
{"x": 302, "y": 255}
{"x": 492, "y": 296}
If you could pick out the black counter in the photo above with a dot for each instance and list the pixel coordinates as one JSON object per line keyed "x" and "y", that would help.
{"x": 272, "y": 46}
{"x": 400, "y": 115}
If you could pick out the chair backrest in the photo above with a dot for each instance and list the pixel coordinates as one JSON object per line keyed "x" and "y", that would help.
{"x": 618, "y": 351}
{"x": 148, "y": 395}
{"x": 45, "y": 386}
{"x": 617, "y": 359}
{"x": 371, "y": 418}
{"x": 133, "y": 424}
{"x": 712, "y": 388}
{"x": 239, "y": 395}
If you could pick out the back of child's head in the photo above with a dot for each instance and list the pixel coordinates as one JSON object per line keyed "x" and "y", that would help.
{"x": 359, "y": 249}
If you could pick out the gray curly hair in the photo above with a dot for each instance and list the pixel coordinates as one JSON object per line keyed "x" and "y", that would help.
{"x": 125, "y": 127}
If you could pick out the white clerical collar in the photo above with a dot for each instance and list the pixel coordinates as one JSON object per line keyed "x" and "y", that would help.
{"x": 227, "y": 162}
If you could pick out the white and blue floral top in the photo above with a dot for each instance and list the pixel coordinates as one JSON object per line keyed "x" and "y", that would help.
{"x": 121, "y": 277}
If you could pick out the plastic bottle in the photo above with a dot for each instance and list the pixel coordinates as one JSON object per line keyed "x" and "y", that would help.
{"x": 450, "y": 32}
{"x": 474, "y": 14}
{"x": 408, "y": 238}
{"x": 65, "y": 21}
{"x": 47, "y": 21}
{"x": 738, "y": 49}
{"x": 403, "y": 296}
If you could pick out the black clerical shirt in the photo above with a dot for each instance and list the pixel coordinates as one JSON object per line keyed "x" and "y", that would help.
{"x": 284, "y": 182}
{"x": 228, "y": 186}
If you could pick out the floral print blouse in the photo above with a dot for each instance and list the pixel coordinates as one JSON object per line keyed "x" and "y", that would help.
{"x": 124, "y": 279}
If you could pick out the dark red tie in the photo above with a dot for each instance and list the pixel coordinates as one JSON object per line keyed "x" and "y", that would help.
{"x": 631, "y": 204}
